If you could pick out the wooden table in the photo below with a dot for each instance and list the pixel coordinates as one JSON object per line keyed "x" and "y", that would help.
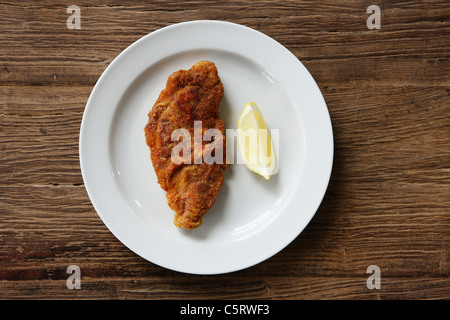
{"x": 388, "y": 201}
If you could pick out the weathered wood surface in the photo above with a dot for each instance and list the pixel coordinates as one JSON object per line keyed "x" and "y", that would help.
{"x": 388, "y": 202}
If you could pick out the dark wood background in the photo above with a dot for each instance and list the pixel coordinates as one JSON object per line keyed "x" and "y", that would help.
{"x": 388, "y": 201}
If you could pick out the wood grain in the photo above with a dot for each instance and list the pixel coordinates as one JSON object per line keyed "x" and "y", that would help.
{"x": 387, "y": 203}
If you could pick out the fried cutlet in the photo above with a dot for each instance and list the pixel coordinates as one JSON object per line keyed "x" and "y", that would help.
{"x": 190, "y": 95}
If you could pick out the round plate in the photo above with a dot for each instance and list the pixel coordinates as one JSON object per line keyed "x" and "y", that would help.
{"x": 252, "y": 218}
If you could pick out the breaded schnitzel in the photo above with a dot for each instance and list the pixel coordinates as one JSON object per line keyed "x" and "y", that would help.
{"x": 190, "y": 95}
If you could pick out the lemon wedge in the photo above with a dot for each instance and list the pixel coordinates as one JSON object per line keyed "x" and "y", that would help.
{"x": 255, "y": 144}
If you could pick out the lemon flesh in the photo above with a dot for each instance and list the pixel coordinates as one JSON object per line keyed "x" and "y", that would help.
{"x": 254, "y": 141}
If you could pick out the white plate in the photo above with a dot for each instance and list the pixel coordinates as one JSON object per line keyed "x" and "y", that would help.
{"x": 252, "y": 218}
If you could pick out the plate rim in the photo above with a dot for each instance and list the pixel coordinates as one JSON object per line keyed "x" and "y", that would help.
{"x": 99, "y": 84}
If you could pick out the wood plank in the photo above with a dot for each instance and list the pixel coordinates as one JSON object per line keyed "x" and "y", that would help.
{"x": 39, "y": 140}
{"x": 60, "y": 225}
{"x": 307, "y": 288}
{"x": 402, "y": 54}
